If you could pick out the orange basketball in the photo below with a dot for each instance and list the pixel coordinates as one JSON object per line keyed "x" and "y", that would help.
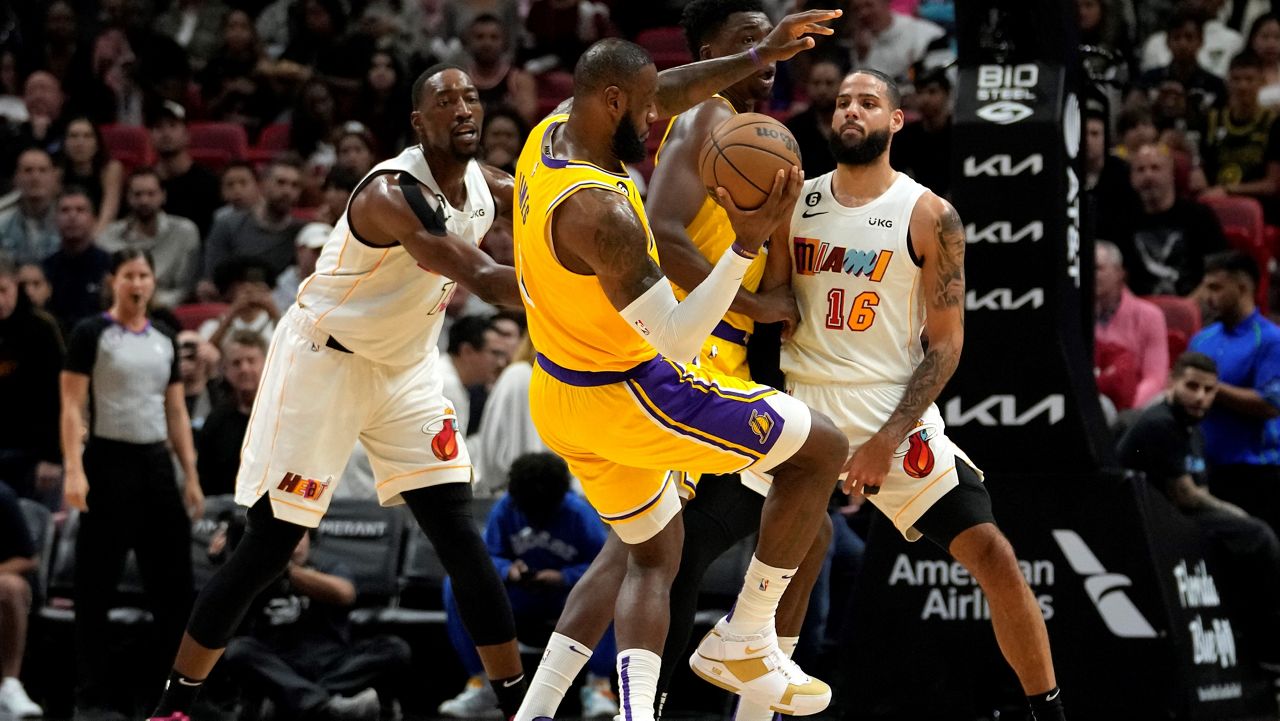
{"x": 744, "y": 154}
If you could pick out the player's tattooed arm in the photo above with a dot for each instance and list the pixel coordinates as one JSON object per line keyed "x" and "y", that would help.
{"x": 684, "y": 86}
{"x": 938, "y": 237}
{"x": 382, "y": 218}
{"x": 596, "y": 232}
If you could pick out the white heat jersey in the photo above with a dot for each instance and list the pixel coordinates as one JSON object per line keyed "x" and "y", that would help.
{"x": 858, "y": 288}
{"x": 378, "y": 302}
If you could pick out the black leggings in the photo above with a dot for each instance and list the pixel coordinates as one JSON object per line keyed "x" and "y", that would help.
{"x": 443, "y": 511}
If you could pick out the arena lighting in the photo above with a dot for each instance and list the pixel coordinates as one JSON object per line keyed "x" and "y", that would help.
{"x": 1139, "y": 627}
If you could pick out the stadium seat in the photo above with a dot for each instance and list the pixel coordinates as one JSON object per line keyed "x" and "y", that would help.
{"x": 191, "y": 315}
{"x": 1178, "y": 342}
{"x": 40, "y": 526}
{"x": 1181, "y": 314}
{"x": 129, "y": 144}
{"x": 553, "y": 88}
{"x": 273, "y": 141}
{"x": 667, "y": 46}
{"x": 1243, "y": 226}
{"x": 213, "y": 145}
{"x": 367, "y": 539}
{"x": 61, "y": 585}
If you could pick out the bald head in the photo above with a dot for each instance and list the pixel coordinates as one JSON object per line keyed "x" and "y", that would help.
{"x": 609, "y": 62}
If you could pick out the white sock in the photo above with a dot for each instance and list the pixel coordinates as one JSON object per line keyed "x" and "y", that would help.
{"x": 637, "y": 683}
{"x": 759, "y": 598}
{"x": 560, "y": 665}
{"x": 748, "y": 711}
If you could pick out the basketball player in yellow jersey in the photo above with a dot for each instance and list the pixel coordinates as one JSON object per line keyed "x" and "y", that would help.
{"x": 610, "y": 391}
{"x": 877, "y": 262}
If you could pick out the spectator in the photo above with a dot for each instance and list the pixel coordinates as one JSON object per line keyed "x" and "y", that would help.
{"x": 889, "y": 41}
{"x": 1184, "y": 36}
{"x": 1136, "y": 128}
{"x": 197, "y": 361}
{"x": 503, "y": 136}
{"x": 173, "y": 242}
{"x": 299, "y": 653}
{"x": 1240, "y": 150}
{"x": 61, "y": 50}
{"x": 30, "y": 356}
{"x": 1242, "y": 431}
{"x": 77, "y": 269}
{"x": 218, "y": 445}
{"x": 29, "y": 230}
{"x": 423, "y": 33}
{"x": 310, "y": 242}
{"x": 246, "y": 283}
{"x": 196, "y": 26}
{"x": 17, "y": 560}
{"x": 1171, "y": 236}
{"x": 311, "y": 129}
{"x": 85, "y": 163}
{"x": 1165, "y": 443}
{"x": 268, "y": 230}
{"x": 318, "y": 39}
{"x": 45, "y": 126}
{"x": 1221, "y": 43}
{"x": 491, "y": 69}
{"x": 1102, "y": 25}
{"x": 190, "y": 190}
{"x": 356, "y": 149}
{"x": 1126, "y": 320}
{"x": 338, "y": 187}
{"x": 125, "y": 487}
{"x": 507, "y": 432}
{"x": 240, "y": 189}
{"x": 384, "y": 95}
{"x": 1264, "y": 41}
{"x": 922, "y": 148}
{"x": 812, "y": 126}
{"x": 472, "y": 361}
{"x": 34, "y": 284}
{"x": 1107, "y": 190}
{"x": 118, "y": 89}
{"x": 12, "y": 110}
{"x": 561, "y": 30}
{"x": 541, "y": 538}
{"x": 233, "y": 82}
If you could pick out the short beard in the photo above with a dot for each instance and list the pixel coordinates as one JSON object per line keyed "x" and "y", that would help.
{"x": 627, "y": 145}
{"x": 464, "y": 156}
{"x": 865, "y": 152}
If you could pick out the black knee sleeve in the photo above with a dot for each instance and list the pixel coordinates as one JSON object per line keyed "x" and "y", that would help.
{"x": 259, "y": 558}
{"x": 444, "y": 513}
{"x": 963, "y": 507}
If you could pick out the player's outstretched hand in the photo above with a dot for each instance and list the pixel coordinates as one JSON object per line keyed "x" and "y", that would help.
{"x": 753, "y": 227}
{"x": 792, "y": 34}
{"x": 869, "y": 465}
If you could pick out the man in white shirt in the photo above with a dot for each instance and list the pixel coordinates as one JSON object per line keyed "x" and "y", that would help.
{"x": 473, "y": 360}
{"x": 889, "y": 41}
{"x": 307, "y": 251}
{"x": 174, "y": 242}
{"x": 1221, "y": 43}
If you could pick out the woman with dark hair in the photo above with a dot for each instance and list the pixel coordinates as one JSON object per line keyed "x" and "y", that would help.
{"x": 126, "y": 371}
{"x": 384, "y": 94}
{"x": 502, "y": 137}
{"x": 356, "y": 148}
{"x": 232, "y": 82}
{"x": 311, "y": 127}
{"x": 1264, "y": 41}
{"x": 86, "y": 164}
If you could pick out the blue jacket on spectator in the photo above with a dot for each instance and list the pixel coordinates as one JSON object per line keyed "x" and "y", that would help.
{"x": 568, "y": 545}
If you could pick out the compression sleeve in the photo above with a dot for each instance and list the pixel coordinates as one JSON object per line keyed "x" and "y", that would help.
{"x": 678, "y": 329}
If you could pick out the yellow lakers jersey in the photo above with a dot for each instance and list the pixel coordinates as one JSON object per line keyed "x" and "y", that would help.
{"x": 571, "y": 321}
{"x": 712, "y": 234}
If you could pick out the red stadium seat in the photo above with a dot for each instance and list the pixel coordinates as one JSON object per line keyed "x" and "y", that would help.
{"x": 273, "y": 141}
{"x": 1242, "y": 224}
{"x": 667, "y": 46}
{"x": 1178, "y": 342}
{"x": 1180, "y": 314}
{"x": 191, "y": 315}
{"x": 215, "y": 159}
{"x": 129, "y": 144}
{"x": 226, "y": 137}
{"x": 553, "y": 88}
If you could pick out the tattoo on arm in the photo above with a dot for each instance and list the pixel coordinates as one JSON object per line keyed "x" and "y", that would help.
{"x": 948, "y": 289}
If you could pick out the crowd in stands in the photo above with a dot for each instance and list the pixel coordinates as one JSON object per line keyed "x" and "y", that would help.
{"x": 217, "y": 142}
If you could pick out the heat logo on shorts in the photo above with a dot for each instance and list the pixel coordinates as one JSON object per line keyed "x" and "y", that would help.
{"x": 445, "y": 442}
{"x": 762, "y": 424}
{"x": 309, "y": 488}
{"x": 917, "y": 457}
{"x": 813, "y": 256}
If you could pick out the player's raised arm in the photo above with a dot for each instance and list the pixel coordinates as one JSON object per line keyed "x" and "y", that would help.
{"x": 938, "y": 238}
{"x": 383, "y": 214}
{"x": 597, "y": 232}
{"x": 677, "y": 189}
{"x": 684, "y": 86}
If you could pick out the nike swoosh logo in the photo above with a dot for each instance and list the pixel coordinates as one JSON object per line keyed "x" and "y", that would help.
{"x": 749, "y": 651}
{"x": 786, "y": 578}
{"x": 807, "y": 214}
{"x": 1055, "y": 695}
{"x": 512, "y": 682}
{"x": 185, "y": 682}
{"x": 579, "y": 651}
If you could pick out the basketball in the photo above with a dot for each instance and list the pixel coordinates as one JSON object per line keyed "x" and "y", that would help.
{"x": 744, "y": 154}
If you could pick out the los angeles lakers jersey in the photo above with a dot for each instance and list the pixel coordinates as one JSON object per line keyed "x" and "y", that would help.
{"x": 857, "y": 284}
{"x": 378, "y": 302}
{"x": 571, "y": 321}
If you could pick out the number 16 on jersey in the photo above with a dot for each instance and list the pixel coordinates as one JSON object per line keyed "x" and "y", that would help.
{"x": 862, "y": 311}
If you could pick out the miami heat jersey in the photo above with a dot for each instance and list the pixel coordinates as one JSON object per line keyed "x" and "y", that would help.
{"x": 379, "y": 302}
{"x": 857, "y": 284}
{"x": 571, "y": 320}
